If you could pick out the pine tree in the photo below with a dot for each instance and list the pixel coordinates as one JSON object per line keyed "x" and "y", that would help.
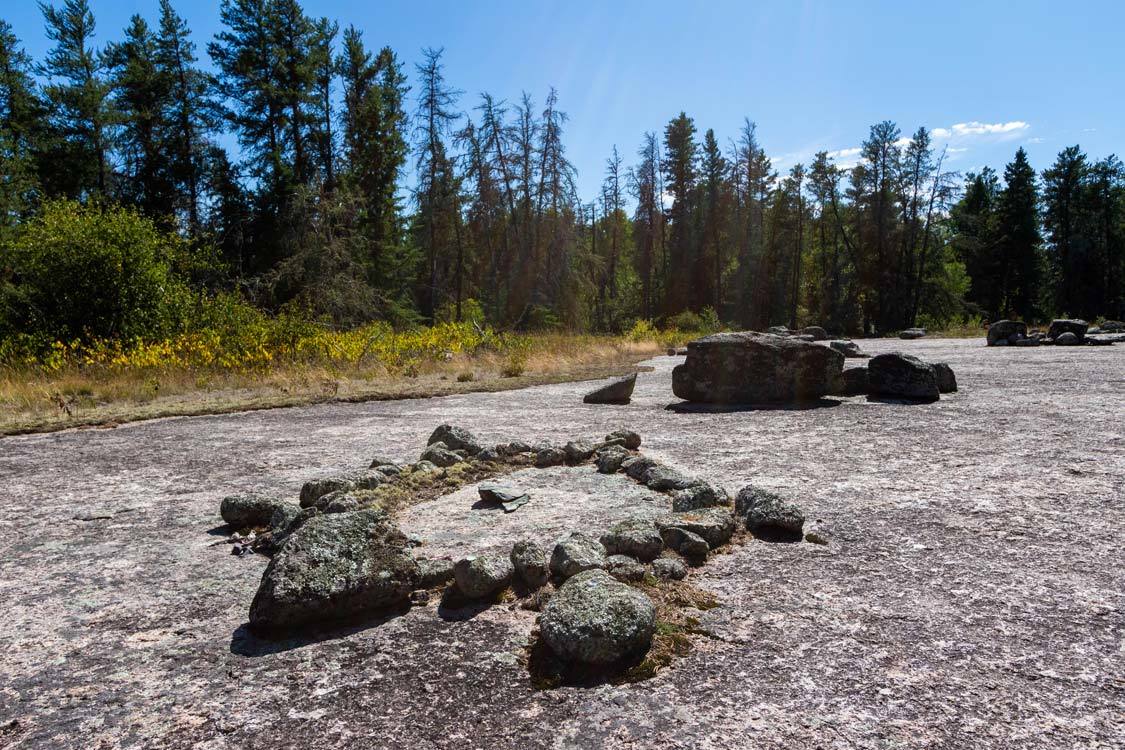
{"x": 21, "y": 131}
{"x": 680, "y": 173}
{"x": 1062, "y": 198}
{"x": 1018, "y": 240}
{"x": 78, "y": 96}
{"x": 974, "y": 222}
{"x": 713, "y": 207}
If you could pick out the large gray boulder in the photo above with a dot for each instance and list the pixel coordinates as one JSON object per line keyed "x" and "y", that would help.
{"x": 251, "y": 509}
{"x": 335, "y": 566}
{"x": 483, "y": 576}
{"x": 768, "y": 515}
{"x": 575, "y": 553}
{"x": 636, "y": 537}
{"x": 456, "y": 439}
{"x": 755, "y": 368}
{"x": 1061, "y": 326}
{"x": 617, "y": 391}
{"x": 595, "y": 619}
{"x": 1007, "y": 331}
{"x": 898, "y": 375}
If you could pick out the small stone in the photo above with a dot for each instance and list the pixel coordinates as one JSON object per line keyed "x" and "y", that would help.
{"x": 432, "y": 573}
{"x": 816, "y": 332}
{"x": 903, "y": 376}
{"x": 1067, "y": 339}
{"x": 252, "y": 509}
{"x": 550, "y": 456}
{"x": 632, "y": 440}
{"x": 669, "y": 569}
{"x": 768, "y": 514}
{"x": 424, "y": 467}
{"x": 500, "y": 494}
{"x": 849, "y": 349}
{"x": 576, "y": 553}
{"x": 315, "y": 489}
{"x": 1005, "y": 332}
{"x": 636, "y": 466}
{"x": 529, "y": 560}
{"x": 490, "y": 455}
{"x": 624, "y": 568}
{"x": 578, "y": 451}
{"x": 635, "y": 537}
{"x": 664, "y": 478}
{"x": 420, "y": 598}
{"x": 617, "y": 391}
{"x": 715, "y": 525}
{"x": 439, "y": 454}
{"x": 609, "y": 460}
{"x": 483, "y": 576}
{"x": 698, "y": 496}
{"x": 380, "y": 461}
{"x": 912, "y": 333}
{"x": 516, "y": 447}
{"x": 456, "y": 438}
{"x": 687, "y": 543}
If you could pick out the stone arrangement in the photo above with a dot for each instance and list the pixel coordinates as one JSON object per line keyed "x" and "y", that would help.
{"x": 336, "y": 554}
{"x": 1061, "y": 332}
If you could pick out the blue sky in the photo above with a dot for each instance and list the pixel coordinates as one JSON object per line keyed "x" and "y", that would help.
{"x": 986, "y": 76}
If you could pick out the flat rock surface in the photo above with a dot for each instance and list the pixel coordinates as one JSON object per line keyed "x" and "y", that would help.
{"x": 973, "y": 595}
{"x": 563, "y": 499}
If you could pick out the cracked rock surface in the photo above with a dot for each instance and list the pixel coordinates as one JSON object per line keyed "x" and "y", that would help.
{"x": 972, "y": 594}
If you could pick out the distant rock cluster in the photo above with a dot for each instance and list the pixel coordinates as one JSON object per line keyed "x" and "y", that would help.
{"x": 1061, "y": 332}
{"x": 334, "y": 560}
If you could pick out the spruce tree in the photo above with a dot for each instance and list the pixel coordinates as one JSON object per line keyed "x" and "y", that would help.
{"x": 21, "y": 131}
{"x": 680, "y": 171}
{"x": 1018, "y": 242}
{"x": 1063, "y": 185}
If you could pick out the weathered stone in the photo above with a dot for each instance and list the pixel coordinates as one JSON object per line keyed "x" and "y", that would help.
{"x": 631, "y": 440}
{"x": 1025, "y": 342}
{"x": 578, "y": 451}
{"x": 490, "y": 455}
{"x": 779, "y": 330}
{"x": 896, "y": 375}
{"x": 595, "y": 619}
{"x": 1061, "y": 326}
{"x": 946, "y": 380}
{"x": 912, "y": 333}
{"x": 1067, "y": 339}
{"x": 624, "y": 568}
{"x": 432, "y": 573}
{"x": 610, "y": 459}
{"x": 617, "y": 391}
{"x": 483, "y": 576}
{"x": 335, "y": 566}
{"x": 503, "y": 495}
{"x": 1112, "y": 326}
{"x": 635, "y": 537}
{"x": 854, "y": 382}
{"x": 701, "y": 495}
{"x": 424, "y": 467}
{"x": 575, "y": 553}
{"x": 380, "y": 461}
{"x": 529, "y": 560}
{"x": 456, "y": 438}
{"x": 1008, "y": 331}
{"x": 251, "y": 509}
{"x": 341, "y": 501}
{"x": 715, "y": 525}
{"x": 664, "y": 478}
{"x": 545, "y": 457}
{"x": 687, "y": 543}
{"x": 768, "y": 515}
{"x": 817, "y": 333}
{"x": 315, "y": 489}
{"x": 515, "y": 448}
{"x": 668, "y": 569}
{"x": 636, "y": 466}
{"x": 747, "y": 367}
{"x": 849, "y": 349}
{"x": 440, "y": 454}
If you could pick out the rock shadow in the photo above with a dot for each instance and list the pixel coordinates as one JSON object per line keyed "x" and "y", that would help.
{"x": 246, "y": 641}
{"x": 774, "y": 535}
{"x": 899, "y": 401}
{"x": 693, "y": 407}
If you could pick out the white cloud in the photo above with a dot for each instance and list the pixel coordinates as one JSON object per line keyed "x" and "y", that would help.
{"x": 844, "y": 153}
{"x": 960, "y": 133}
{"x": 975, "y": 128}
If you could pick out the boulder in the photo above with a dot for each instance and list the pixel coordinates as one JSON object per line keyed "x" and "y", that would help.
{"x": 624, "y": 568}
{"x": 898, "y": 375}
{"x": 946, "y": 380}
{"x": 578, "y": 451}
{"x": 597, "y": 620}
{"x": 609, "y": 460}
{"x": 456, "y": 439}
{"x": 441, "y": 455}
{"x": 1061, "y": 326}
{"x": 631, "y": 440}
{"x": 668, "y": 569}
{"x": 1008, "y": 331}
{"x": 768, "y": 515}
{"x": 754, "y": 368}
{"x": 315, "y": 489}
{"x": 912, "y": 333}
{"x": 529, "y": 560}
{"x": 715, "y": 525}
{"x": 335, "y": 566}
{"x": 687, "y": 543}
{"x": 635, "y": 537}
{"x": 849, "y": 349}
{"x": 575, "y": 553}
{"x": 617, "y": 391}
{"x": 251, "y": 509}
{"x": 550, "y": 456}
{"x": 854, "y": 382}
{"x": 701, "y": 495}
{"x": 817, "y": 333}
{"x": 1067, "y": 338}
{"x": 483, "y": 576}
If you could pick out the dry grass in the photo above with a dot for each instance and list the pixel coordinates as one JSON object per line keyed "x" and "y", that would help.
{"x": 35, "y": 401}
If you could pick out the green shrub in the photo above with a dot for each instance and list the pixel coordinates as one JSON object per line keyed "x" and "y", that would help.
{"x": 86, "y": 272}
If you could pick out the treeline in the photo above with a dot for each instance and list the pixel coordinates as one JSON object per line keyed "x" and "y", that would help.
{"x": 357, "y": 194}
